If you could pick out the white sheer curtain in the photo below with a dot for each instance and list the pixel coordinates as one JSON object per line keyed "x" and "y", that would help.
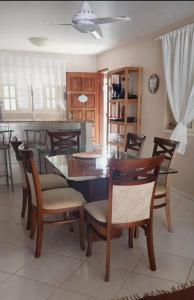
{"x": 178, "y": 57}
{"x": 26, "y": 70}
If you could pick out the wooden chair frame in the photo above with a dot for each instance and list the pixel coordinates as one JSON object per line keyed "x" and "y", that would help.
{"x": 167, "y": 148}
{"x": 134, "y": 142}
{"x": 36, "y": 137}
{"x": 125, "y": 172}
{"x": 15, "y": 144}
{"x": 5, "y": 139}
{"x": 61, "y": 140}
{"x": 38, "y": 211}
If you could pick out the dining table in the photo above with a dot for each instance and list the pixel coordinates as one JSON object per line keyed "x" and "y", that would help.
{"x": 87, "y": 171}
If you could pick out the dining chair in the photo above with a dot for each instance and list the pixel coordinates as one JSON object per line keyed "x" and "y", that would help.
{"x": 36, "y": 137}
{"x": 130, "y": 204}
{"x": 64, "y": 141}
{"x": 47, "y": 182}
{"x": 5, "y": 138}
{"x": 50, "y": 202}
{"x": 167, "y": 148}
{"x": 134, "y": 142}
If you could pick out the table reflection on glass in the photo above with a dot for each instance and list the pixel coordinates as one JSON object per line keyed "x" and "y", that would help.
{"x": 90, "y": 175}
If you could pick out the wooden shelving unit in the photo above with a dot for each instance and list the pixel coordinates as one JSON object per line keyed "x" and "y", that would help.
{"x": 124, "y": 104}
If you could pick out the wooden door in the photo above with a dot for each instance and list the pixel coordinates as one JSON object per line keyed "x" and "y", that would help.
{"x": 88, "y": 84}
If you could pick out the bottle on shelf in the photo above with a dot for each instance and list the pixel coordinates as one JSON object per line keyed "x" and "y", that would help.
{"x": 124, "y": 104}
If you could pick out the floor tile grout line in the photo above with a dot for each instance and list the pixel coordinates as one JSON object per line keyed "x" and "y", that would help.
{"x": 158, "y": 277}
{"x": 15, "y": 244}
{"x": 122, "y": 285}
{"x": 173, "y": 282}
{"x": 69, "y": 290}
{"x": 190, "y": 271}
{"x": 180, "y": 256}
{"x": 78, "y": 293}
{"x": 83, "y": 261}
{"x": 10, "y": 275}
{"x": 20, "y": 275}
{"x": 127, "y": 277}
{"x": 59, "y": 286}
{"x": 66, "y": 255}
{"x": 102, "y": 278}
{"x": 33, "y": 280}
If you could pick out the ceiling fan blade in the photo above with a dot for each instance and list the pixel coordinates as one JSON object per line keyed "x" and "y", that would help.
{"x": 49, "y": 23}
{"x": 97, "y": 34}
{"x": 110, "y": 20}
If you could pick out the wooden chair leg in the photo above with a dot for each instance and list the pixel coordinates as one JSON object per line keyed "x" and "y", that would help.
{"x": 71, "y": 229}
{"x": 33, "y": 223}
{"x": 136, "y": 232}
{"x": 108, "y": 253}
{"x": 28, "y": 225}
{"x": 150, "y": 246}
{"x": 24, "y": 202}
{"x": 66, "y": 217}
{"x": 81, "y": 229}
{"x": 130, "y": 238}
{"x": 167, "y": 209}
{"x": 39, "y": 238}
{"x": 89, "y": 241}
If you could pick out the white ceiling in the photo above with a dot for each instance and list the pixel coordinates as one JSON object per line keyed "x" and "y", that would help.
{"x": 147, "y": 17}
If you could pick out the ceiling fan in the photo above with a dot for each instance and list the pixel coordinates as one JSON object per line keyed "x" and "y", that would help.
{"x": 85, "y": 21}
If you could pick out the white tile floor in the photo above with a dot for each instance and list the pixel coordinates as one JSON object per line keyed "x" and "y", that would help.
{"x": 64, "y": 272}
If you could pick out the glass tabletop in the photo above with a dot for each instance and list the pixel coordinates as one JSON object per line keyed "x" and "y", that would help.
{"x": 92, "y": 163}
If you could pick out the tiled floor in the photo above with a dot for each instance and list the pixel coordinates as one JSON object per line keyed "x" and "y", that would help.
{"x": 64, "y": 272}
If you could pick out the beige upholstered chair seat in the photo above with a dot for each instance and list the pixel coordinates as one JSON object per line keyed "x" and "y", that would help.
{"x": 98, "y": 210}
{"x": 160, "y": 189}
{"x": 62, "y": 198}
{"x": 52, "y": 181}
{"x": 47, "y": 181}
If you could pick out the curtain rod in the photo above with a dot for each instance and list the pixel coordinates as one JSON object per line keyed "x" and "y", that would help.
{"x": 176, "y": 30}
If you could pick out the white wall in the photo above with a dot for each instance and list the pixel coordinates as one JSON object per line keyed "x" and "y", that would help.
{"x": 147, "y": 54}
{"x": 80, "y": 63}
{"x": 74, "y": 62}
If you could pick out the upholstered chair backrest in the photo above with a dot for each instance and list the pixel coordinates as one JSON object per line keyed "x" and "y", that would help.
{"x": 131, "y": 189}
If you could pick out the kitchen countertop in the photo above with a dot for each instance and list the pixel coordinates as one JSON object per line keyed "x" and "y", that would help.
{"x": 46, "y": 121}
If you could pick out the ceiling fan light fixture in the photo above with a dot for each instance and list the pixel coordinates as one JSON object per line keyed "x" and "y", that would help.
{"x": 38, "y": 41}
{"x": 86, "y": 21}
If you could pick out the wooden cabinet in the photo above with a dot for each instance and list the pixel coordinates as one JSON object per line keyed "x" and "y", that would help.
{"x": 124, "y": 103}
{"x": 88, "y": 84}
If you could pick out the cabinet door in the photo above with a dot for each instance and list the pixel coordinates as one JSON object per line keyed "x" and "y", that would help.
{"x": 89, "y": 110}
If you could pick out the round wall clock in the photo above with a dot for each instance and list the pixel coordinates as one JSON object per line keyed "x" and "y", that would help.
{"x": 153, "y": 83}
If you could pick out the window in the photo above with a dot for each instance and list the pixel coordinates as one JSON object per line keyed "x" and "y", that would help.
{"x": 32, "y": 85}
{"x": 42, "y": 99}
{"x": 9, "y": 97}
{"x": 50, "y": 95}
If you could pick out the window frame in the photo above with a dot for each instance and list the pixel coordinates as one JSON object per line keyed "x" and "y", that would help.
{"x": 32, "y": 113}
